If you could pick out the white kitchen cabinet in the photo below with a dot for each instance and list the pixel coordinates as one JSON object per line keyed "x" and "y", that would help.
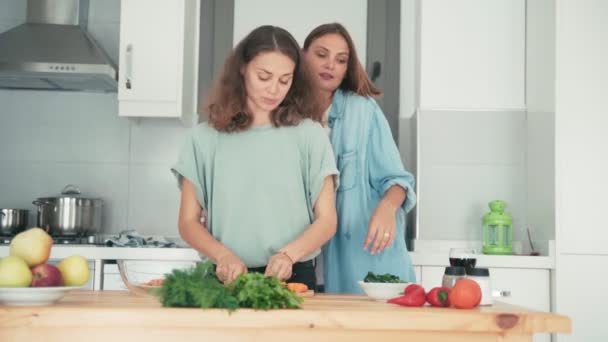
{"x": 472, "y": 54}
{"x": 529, "y": 288}
{"x": 581, "y": 288}
{"x": 418, "y": 272}
{"x": 112, "y": 279}
{"x": 158, "y": 64}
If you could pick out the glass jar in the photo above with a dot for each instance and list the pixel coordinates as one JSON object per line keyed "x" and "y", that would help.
{"x": 451, "y": 275}
{"x": 482, "y": 277}
{"x": 497, "y": 230}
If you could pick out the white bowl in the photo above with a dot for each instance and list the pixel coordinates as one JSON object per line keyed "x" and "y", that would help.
{"x": 137, "y": 273}
{"x": 33, "y": 296}
{"x": 383, "y": 291}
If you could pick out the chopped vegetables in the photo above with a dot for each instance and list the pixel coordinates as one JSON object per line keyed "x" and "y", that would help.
{"x": 154, "y": 282}
{"x": 297, "y": 287}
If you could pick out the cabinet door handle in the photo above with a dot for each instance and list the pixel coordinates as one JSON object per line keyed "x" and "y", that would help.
{"x": 501, "y": 293}
{"x": 128, "y": 65}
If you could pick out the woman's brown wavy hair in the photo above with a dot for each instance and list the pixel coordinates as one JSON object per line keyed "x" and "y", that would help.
{"x": 226, "y": 106}
{"x": 356, "y": 79}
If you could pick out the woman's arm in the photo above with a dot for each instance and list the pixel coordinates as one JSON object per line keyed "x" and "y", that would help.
{"x": 389, "y": 178}
{"x": 229, "y": 266}
{"x": 381, "y": 230}
{"x": 316, "y": 235}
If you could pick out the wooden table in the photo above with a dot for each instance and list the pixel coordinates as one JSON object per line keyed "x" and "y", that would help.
{"x": 113, "y": 316}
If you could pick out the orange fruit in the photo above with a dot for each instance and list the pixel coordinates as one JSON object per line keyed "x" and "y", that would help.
{"x": 466, "y": 294}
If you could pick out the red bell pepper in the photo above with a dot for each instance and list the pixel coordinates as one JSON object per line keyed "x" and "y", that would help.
{"x": 439, "y": 296}
{"x": 413, "y": 295}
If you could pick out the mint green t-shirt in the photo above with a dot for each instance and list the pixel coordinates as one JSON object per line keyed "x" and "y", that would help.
{"x": 259, "y": 186}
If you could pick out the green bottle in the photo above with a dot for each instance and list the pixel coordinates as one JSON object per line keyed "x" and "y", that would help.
{"x": 497, "y": 230}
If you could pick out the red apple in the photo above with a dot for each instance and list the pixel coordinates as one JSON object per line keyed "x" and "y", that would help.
{"x": 46, "y": 275}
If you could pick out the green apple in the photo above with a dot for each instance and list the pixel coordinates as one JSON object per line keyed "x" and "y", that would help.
{"x": 33, "y": 246}
{"x": 74, "y": 270}
{"x": 14, "y": 272}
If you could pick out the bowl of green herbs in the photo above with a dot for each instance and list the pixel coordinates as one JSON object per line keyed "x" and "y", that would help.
{"x": 382, "y": 287}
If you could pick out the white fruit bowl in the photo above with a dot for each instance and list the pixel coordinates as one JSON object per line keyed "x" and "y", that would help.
{"x": 33, "y": 296}
{"x": 383, "y": 291}
{"x": 136, "y": 274}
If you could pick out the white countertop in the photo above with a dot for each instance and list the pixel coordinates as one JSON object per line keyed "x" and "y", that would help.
{"x": 116, "y": 253}
{"x": 419, "y": 258}
{"x": 499, "y": 261}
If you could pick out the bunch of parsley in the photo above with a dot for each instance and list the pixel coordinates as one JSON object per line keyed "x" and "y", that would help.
{"x": 199, "y": 287}
{"x": 253, "y": 290}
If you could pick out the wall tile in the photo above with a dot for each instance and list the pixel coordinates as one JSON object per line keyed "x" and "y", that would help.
{"x": 13, "y": 10}
{"x": 104, "y": 11}
{"x": 157, "y": 140}
{"x": 454, "y": 198}
{"x": 153, "y": 200}
{"x": 62, "y": 126}
{"x": 472, "y": 137}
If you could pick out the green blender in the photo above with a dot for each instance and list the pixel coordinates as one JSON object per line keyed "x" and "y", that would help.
{"x": 497, "y": 230}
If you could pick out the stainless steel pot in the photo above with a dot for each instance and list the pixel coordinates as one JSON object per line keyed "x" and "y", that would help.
{"x": 13, "y": 221}
{"x": 69, "y": 214}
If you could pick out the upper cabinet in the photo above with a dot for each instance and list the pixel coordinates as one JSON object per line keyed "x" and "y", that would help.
{"x": 158, "y": 49}
{"x": 472, "y": 54}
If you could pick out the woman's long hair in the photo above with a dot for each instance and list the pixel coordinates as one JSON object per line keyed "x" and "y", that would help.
{"x": 226, "y": 105}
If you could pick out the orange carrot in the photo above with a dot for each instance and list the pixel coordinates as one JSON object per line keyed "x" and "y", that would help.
{"x": 297, "y": 287}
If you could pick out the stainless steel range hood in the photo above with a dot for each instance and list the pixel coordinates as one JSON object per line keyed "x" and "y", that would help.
{"x": 53, "y": 51}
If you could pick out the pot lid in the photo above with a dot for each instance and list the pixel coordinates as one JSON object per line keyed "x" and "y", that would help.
{"x": 71, "y": 191}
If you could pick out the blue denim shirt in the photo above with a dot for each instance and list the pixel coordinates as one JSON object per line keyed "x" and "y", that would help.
{"x": 369, "y": 164}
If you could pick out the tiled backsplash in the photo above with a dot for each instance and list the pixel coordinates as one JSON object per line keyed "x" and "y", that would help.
{"x": 467, "y": 159}
{"x": 50, "y": 139}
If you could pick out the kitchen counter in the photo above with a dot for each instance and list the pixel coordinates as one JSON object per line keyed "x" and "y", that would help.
{"x": 107, "y": 315}
{"x": 99, "y": 255}
{"x": 91, "y": 252}
{"x": 419, "y": 258}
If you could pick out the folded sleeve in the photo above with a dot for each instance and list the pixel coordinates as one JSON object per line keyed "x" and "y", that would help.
{"x": 385, "y": 166}
{"x": 190, "y": 165}
{"x": 321, "y": 163}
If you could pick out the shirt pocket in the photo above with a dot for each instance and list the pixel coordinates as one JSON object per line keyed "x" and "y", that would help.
{"x": 347, "y": 165}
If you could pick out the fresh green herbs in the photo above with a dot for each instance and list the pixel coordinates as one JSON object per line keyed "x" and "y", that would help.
{"x": 253, "y": 290}
{"x": 200, "y": 287}
{"x": 381, "y": 278}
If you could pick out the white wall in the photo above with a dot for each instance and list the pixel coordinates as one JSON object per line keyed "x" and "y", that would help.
{"x": 472, "y": 54}
{"x": 300, "y": 17}
{"x": 582, "y": 166}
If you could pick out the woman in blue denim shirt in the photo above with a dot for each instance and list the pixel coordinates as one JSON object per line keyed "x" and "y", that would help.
{"x": 375, "y": 190}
